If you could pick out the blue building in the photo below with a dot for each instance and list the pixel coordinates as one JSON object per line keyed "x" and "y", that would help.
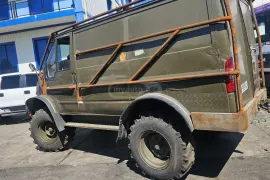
{"x": 25, "y": 26}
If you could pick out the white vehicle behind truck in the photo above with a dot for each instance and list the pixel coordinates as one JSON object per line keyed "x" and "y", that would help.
{"x": 15, "y": 89}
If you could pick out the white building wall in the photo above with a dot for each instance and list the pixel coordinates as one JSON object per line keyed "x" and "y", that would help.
{"x": 24, "y": 45}
{"x": 94, "y": 7}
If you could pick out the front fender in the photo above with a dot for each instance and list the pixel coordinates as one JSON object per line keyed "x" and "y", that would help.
{"x": 38, "y": 102}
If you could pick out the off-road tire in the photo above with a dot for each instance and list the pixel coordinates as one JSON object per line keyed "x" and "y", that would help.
{"x": 57, "y": 142}
{"x": 182, "y": 155}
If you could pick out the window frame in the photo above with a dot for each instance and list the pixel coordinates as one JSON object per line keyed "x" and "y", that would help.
{"x": 10, "y": 16}
{"x": 58, "y": 54}
{"x": 56, "y": 57}
{"x": 24, "y": 81}
{"x": 46, "y": 64}
{"x": 5, "y": 44}
{"x": 16, "y": 9}
{"x": 21, "y": 83}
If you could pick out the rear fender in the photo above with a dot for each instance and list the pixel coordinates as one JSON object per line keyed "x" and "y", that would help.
{"x": 169, "y": 101}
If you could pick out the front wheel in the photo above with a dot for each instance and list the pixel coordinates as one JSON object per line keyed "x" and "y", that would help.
{"x": 45, "y": 133}
{"x": 159, "y": 150}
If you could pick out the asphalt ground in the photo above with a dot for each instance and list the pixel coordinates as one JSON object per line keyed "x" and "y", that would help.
{"x": 95, "y": 155}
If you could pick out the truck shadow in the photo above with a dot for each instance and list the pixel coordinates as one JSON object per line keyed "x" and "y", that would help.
{"x": 213, "y": 149}
{"x": 16, "y": 119}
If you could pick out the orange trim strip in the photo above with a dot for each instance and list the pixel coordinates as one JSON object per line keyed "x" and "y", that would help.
{"x": 235, "y": 72}
{"x": 165, "y": 79}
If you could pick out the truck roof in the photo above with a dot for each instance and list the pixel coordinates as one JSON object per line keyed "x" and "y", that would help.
{"x": 124, "y": 7}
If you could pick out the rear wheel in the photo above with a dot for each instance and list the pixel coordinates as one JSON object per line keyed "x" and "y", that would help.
{"x": 159, "y": 150}
{"x": 45, "y": 133}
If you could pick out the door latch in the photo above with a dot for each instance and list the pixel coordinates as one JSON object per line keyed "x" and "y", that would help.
{"x": 74, "y": 78}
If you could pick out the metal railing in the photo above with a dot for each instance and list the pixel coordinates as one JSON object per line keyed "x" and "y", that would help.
{"x": 21, "y": 8}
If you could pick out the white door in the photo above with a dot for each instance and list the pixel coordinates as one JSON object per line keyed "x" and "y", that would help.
{"x": 29, "y": 88}
{"x": 11, "y": 94}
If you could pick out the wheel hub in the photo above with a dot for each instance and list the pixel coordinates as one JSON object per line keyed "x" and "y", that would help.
{"x": 154, "y": 150}
{"x": 48, "y": 131}
{"x": 158, "y": 146}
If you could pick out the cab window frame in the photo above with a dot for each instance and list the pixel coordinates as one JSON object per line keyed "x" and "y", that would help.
{"x": 44, "y": 66}
{"x": 57, "y": 65}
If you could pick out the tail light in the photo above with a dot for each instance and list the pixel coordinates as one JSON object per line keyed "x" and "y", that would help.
{"x": 230, "y": 81}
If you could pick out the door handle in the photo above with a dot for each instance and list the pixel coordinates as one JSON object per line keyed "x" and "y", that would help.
{"x": 27, "y": 92}
{"x": 1, "y": 94}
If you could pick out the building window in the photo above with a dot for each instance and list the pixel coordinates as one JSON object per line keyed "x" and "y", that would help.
{"x": 10, "y": 9}
{"x": 8, "y": 58}
{"x": 22, "y": 8}
{"x": 43, "y": 6}
{"x": 5, "y": 10}
{"x": 39, "y": 48}
{"x": 64, "y": 4}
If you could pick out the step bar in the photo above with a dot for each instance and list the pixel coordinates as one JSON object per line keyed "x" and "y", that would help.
{"x": 92, "y": 126}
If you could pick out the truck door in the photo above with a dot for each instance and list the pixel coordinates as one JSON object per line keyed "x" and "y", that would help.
{"x": 60, "y": 74}
{"x": 29, "y": 89}
{"x": 245, "y": 8}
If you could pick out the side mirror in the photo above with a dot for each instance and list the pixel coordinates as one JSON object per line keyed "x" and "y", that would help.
{"x": 32, "y": 67}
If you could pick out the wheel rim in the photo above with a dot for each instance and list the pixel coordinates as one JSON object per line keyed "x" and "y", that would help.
{"x": 47, "y": 131}
{"x": 154, "y": 150}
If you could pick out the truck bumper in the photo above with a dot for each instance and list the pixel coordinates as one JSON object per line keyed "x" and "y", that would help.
{"x": 232, "y": 122}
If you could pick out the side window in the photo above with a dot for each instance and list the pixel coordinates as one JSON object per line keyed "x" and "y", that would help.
{"x": 10, "y": 82}
{"x": 31, "y": 80}
{"x": 59, "y": 58}
{"x": 63, "y": 56}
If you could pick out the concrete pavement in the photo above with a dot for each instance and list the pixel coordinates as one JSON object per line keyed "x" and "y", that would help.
{"x": 95, "y": 155}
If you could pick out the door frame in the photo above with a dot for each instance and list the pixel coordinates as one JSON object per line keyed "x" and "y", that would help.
{"x": 54, "y": 88}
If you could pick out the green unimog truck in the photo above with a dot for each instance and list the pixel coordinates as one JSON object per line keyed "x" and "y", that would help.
{"x": 155, "y": 73}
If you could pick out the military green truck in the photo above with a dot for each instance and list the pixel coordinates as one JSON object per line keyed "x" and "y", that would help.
{"x": 155, "y": 73}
